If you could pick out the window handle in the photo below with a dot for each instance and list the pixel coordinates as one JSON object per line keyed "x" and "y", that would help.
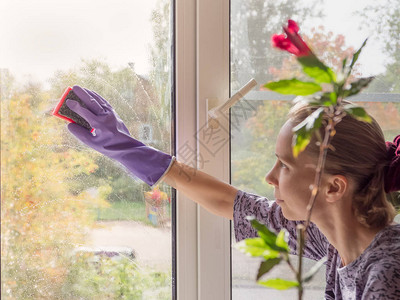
{"x": 215, "y": 112}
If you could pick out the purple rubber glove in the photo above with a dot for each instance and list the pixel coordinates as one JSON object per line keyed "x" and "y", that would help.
{"x": 113, "y": 139}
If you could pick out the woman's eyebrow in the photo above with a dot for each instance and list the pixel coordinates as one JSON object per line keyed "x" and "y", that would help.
{"x": 284, "y": 158}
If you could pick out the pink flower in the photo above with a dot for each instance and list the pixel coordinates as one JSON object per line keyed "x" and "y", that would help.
{"x": 292, "y": 42}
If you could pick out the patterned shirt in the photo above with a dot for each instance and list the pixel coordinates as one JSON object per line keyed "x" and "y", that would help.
{"x": 375, "y": 274}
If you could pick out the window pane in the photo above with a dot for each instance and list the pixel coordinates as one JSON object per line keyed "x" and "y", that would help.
{"x": 333, "y": 29}
{"x": 75, "y": 225}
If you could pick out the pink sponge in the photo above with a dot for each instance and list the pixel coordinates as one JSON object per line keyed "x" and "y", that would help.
{"x": 62, "y": 110}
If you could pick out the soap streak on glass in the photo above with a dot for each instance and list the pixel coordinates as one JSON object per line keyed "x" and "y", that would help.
{"x": 76, "y": 225}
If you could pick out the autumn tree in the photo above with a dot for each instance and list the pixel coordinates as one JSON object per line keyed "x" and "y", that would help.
{"x": 261, "y": 130}
{"x": 252, "y": 24}
{"x": 42, "y": 219}
{"x": 137, "y": 101}
{"x": 330, "y": 47}
{"x": 386, "y": 28}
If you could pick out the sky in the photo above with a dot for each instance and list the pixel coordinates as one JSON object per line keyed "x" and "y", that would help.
{"x": 342, "y": 17}
{"x": 39, "y": 37}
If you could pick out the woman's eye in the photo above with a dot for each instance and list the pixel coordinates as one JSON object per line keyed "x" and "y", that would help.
{"x": 282, "y": 165}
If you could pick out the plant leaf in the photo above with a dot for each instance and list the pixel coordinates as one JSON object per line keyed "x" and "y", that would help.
{"x": 301, "y": 140}
{"x": 326, "y": 99}
{"x": 357, "y": 86}
{"x": 256, "y": 247}
{"x": 333, "y": 99}
{"x": 316, "y": 69}
{"x": 358, "y": 113}
{"x": 267, "y": 235}
{"x": 293, "y": 87}
{"x": 279, "y": 284}
{"x": 267, "y": 265}
{"x": 280, "y": 240}
{"x": 303, "y": 132}
{"x": 253, "y": 246}
{"x": 309, "y": 275}
{"x": 344, "y": 62}
{"x": 356, "y": 55}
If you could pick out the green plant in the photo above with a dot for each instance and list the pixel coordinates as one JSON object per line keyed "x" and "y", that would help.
{"x": 101, "y": 277}
{"x": 325, "y": 89}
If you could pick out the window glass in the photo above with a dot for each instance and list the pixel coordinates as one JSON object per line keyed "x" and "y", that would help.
{"x": 75, "y": 225}
{"x": 335, "y": 30}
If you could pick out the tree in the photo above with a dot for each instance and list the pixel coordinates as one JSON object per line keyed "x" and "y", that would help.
{"x": 42, "y": 221}
{"x": 261, "y": 130}
{"x": 160, "y": 57}
{"x": 386, "y": 27}
{"x": 137, "y": 101}
{"x": 252, "y": 24}
{"x": 331, "y": 48}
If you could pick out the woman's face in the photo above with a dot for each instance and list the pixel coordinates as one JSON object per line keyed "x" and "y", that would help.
{"x": 291, "y": 177}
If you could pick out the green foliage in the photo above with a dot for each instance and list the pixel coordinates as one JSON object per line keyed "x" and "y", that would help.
{"x": 355, "y": 57}
{"x": 305, "y": 130}
{"x": 267, "y": 265}
{"x": 357, "y": 112}
{"x": 257, "y": 247}
{"x": 357, "y": 86}
{"x": 52, "y": 187}
{"x": 122, "y": 210}
{"x": 42, "y": 220}
{"x": 124, "y": 188}
{"x": 279, "y": 284}
{"x": 293, "y": 87}
{"x": 280, "y": 241}
{"x": 137, "y": 101}
{"x": 273, "y": 248}
{"x": 268, "y": 245}
{"x": 99, "y": 277}
{"x": 314, "y": 68}
{"x": 269, "y": 237}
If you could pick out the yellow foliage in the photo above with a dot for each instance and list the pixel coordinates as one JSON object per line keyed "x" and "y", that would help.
{"x": 42, "y": 221}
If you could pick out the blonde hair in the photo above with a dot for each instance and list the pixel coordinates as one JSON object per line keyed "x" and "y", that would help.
{"x": 360, "y": 153}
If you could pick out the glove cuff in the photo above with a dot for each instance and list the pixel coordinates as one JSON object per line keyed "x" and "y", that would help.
{"x": 173, "y": 158}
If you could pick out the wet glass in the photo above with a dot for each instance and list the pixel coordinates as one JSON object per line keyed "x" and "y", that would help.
{"x": 74, "y": 224}
{"x": 333, "y": 29}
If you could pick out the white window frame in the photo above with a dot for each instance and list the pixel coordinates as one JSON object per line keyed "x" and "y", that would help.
{"x": 201, "y": 73}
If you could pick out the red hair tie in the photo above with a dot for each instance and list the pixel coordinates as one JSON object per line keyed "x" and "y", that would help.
{"x": 392, "y": 176}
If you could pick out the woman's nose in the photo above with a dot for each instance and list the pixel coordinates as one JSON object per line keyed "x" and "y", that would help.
{"x": 271, "y": 177}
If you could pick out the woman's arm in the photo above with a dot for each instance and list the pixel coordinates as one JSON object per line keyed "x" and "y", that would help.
{"x": 214, "y": 195}
{"x": 142, "y": 161}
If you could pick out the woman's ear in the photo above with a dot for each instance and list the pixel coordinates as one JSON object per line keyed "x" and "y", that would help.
{"x": 336, "y": 187}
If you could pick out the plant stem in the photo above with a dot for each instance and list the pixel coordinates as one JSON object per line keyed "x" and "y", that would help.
{"x": 329, "y": 133}
{"x": 286, "y": 258}
{"x": 301, "y": 242}
{"x": 302, "y": 229}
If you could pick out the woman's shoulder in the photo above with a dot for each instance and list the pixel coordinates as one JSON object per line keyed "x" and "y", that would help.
{"x": 389, "y": 237}
{"x": 382, "y": 265}
{"x": 384, "y": 249}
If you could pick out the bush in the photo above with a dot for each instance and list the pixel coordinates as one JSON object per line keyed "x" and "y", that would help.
{"x": 101, "y": 277}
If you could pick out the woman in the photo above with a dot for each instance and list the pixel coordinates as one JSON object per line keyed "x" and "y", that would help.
{"x": 352, "y": 222}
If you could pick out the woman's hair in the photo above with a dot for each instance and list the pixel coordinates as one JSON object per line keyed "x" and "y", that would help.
{"x": 360, "y": 154}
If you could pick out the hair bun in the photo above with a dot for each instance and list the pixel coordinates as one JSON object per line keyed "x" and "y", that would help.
{"x": 392, "y": 174}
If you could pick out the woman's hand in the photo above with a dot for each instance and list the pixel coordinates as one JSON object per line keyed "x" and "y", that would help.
{"x": 113, "y": 139}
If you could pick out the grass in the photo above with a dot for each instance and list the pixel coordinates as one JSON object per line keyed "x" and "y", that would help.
{"x": 123, "y": 211}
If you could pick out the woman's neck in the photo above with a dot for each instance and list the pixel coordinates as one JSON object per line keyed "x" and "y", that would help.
{"x": 346, "y": 233}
